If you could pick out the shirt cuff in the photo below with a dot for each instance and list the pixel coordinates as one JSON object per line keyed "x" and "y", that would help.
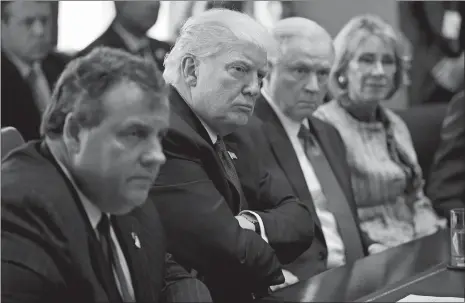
{"x": 260, "y": 222}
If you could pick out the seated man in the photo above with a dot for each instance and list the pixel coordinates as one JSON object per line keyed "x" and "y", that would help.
{"x": 235, "y": 235}
{"x": 128, "y": 31}
{"x": 319, "y": 175}
{"x": 75, "y": 227}
{"x": 446, "y": 186}
{"x": 29, "y": 66}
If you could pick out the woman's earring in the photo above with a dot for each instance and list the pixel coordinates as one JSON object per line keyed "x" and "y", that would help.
{"x": 342, "y": 81}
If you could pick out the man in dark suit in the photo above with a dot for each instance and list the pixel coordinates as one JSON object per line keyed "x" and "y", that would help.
{"x": 317, "y": 170}
{"x": 75, "y": 225}
{"x": 234, "y": 234}
{"x": 446, "y": 186}
{"x": 29, "y": 67}
{"x": 128, "y": 31}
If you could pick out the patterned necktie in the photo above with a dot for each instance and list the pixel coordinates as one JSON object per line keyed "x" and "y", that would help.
{"x": 336, "y": 200}
{"x": 111, "y": 256}
{"x": 39, "y": 87}
{"x": 229, "y": 169}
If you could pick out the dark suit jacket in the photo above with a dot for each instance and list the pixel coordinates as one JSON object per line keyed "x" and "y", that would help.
{"x": 111, "y": 39}
{"x": 18, "y": 106}
{"x": 197, "y": 207}
{"x": 446, "y": 186}
{"x": 279, "y": 154}
{"x": 50, "y": 253}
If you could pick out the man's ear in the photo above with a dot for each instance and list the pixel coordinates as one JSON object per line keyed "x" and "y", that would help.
{"x": 189, "y": 70}
{"x": 71, "y": 129}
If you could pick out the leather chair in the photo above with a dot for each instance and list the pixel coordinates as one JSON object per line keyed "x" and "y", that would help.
{"x": 11, "y": 138}
{"x": 424, "y": 123}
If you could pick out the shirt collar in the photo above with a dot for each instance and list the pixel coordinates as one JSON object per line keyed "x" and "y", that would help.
{"x": 93, "y": 213}
{"x": 211, "y": 133}
{"x": 135, "y": 44}
{"x": 213, "y": 136}
{"x": 292, "y": 127}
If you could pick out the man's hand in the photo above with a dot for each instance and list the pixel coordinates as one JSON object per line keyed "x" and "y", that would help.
{"x": 245, "y": 224}
{"x": 289, "y": 279}
{"x": 376, "y": 248}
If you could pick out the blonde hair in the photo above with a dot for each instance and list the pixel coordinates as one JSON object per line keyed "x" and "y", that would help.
{"x": 348, "y": 40}
{"x": 213, "y": 32}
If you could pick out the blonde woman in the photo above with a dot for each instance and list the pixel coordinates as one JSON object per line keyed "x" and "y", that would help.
{"x": 386, "y": 178}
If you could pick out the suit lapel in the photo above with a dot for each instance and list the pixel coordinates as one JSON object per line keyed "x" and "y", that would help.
{"x": 129, "y": 235}
{"x": 95, "y": 253}
{"x": 214, "y": 168}
{"x": 335, "y": 154}
{"x": 284, "y": 153}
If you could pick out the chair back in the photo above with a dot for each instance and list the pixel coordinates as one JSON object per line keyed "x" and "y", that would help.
{"x": 424, "y": 123}
{"x": 10, "y": 139}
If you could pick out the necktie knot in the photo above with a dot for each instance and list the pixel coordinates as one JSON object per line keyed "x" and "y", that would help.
{"x": 308, "y": 139}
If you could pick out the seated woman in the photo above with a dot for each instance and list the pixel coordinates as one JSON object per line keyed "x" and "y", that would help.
{"x": 386, "y": 178}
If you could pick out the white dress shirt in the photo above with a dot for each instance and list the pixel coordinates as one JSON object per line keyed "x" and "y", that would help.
{"x": 94, "y": 214}
{"x": 336, "y": 252}
{"x": 214, "y": 137}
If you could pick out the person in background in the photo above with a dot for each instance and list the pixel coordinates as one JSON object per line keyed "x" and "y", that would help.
{"x": 293, "y": 89}
{"x": 387, "y": 180}
{"x": 29, "y": 65}
{"x": 446, "y": 187}
{"x": 75, "y": 223}
{"x": 128, "y": 31}
{"x": 236, "y": 230}
{"x": 435, "y": 29}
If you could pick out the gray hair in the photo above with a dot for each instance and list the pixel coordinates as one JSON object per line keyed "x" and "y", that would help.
{"x": 85, "y": 80}
{"x": 288, "y": 29}
{"x": 210, "y": 33}
{"x": 349, "y": 39}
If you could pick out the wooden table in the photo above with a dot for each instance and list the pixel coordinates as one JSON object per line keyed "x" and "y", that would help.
{"x": 418, "y": 267}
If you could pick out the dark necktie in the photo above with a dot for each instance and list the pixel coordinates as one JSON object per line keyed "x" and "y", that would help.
{"x": 335, "y": 197}
{"x": 39, "y": 87}
{"x": 229, "y": 169}
{"x": 111, "y": 256}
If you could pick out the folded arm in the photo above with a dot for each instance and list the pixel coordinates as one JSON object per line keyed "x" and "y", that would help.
{"x": 202, "y": 231}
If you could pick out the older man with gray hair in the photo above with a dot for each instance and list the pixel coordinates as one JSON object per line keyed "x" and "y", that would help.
{"x": 309, "y": 151}
{"x": 236, "y": 234}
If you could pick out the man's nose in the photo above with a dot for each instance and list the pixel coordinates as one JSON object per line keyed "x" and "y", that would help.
{"x": 253, "y": 88}
{"x": 153, "y": 155}
{"x": 38, "y": 27}
{"x": 312, "y": 83}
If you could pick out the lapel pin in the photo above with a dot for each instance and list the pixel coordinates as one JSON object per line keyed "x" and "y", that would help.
{"x": 232, "y": 155}
{"x": 136, "y": 239}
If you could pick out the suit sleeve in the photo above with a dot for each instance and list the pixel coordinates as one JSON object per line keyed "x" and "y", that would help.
{"x": 181, "y": 286}
{"x": 29, "y": 273}
{"x": 446, "y": 186}
{"x": 202, "y": 232}
{"x": 288, "y": 222}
